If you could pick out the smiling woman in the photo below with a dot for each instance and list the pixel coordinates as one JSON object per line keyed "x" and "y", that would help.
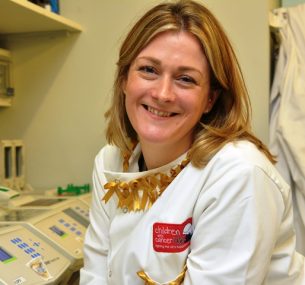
{"x": 184, "y": 193}
{"x": 167, "y": 90}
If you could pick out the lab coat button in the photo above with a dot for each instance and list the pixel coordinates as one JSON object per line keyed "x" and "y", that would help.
{"x": 109, "y": 273}
{"x": 125, "y": 209}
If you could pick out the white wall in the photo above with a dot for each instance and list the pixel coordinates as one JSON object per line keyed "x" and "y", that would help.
{"x": 63, "y": 82}
{"x": 247, "y": 25}
{"x": 274, "y": 4}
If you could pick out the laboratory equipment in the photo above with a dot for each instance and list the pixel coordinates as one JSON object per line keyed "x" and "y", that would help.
{"x": 65, "y": 224}
{"x": 6, "y": 194}
{"x": 12, "y": 167}
{"x": 27, "y": 256}
{"x": 73, "y": 190}
{"x": 6, "y": 163}
{"x": 61, "y": 220}
{"x": 38, "y": 201}
{"x": 19, "y": 165}
{"x": 78, "y": 205}
{"x": 6, "y": 89}
{"x": 35, "y": 201}
{"x": 86, "y": 198}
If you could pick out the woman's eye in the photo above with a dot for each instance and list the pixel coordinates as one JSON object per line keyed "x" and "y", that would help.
{"x": 187, "y": 79}
{"x": 147, "y": 69}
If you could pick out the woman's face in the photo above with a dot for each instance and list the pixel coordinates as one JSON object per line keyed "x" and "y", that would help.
{"x": 168, "y": 89}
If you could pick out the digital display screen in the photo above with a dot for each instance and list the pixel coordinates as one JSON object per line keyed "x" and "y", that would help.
{"x": 77, "y": 217}
{"x": 21, "y": 215}
{"x": 4, "y": 255}
{"x": 43, "y": 202}
{"x": 58, "y": 231}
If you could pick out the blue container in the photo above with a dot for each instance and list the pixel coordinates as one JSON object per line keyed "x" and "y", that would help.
{"x": 54, "y": 6}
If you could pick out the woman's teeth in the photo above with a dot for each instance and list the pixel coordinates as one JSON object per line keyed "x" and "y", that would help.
{"x": 158, "y": 113}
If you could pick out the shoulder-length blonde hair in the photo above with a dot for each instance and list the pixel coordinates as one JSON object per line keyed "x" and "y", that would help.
{"x": 229, "y": 119}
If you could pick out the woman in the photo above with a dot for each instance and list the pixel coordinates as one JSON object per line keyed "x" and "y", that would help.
{"x": 184, "y": 193}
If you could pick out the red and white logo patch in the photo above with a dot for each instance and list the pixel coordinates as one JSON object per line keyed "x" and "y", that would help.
{"x": 172, "y": 237}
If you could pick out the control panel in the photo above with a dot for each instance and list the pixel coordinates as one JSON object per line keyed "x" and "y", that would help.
{"x": 29, "y": 258}
{"x": 64, "y": 225}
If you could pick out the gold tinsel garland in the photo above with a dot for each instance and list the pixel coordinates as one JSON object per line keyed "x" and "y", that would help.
{"x": 140, "y": 194}
{"x": 149, "y": 281}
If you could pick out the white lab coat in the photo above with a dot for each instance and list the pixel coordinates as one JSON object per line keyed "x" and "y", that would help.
{"x": 241, "y": 218}
{"x": 287, "y": 108}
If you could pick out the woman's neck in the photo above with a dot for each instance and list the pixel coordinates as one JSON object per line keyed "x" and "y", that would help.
{"x": 158, "y": 155}
{"x": 141, "y": 163}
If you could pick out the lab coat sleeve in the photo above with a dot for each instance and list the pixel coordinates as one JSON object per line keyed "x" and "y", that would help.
{"x": 236, "y": 229}
{"x": 96, "y": 244}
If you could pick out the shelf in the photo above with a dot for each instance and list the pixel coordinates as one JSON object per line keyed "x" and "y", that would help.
{"x": 21, "y": 16}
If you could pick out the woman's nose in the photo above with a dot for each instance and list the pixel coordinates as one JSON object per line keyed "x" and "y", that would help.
{"x": 164, "y": 91}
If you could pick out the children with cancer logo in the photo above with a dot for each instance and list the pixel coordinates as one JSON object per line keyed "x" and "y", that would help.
{"x": 172, "y": 237}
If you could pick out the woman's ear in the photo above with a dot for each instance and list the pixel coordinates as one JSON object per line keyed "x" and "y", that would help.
{"x": 211, "y": 100}
{"x": 124, "y": 82}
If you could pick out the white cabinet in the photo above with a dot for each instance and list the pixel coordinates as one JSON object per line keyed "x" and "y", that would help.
{"x": 20, "y": 17}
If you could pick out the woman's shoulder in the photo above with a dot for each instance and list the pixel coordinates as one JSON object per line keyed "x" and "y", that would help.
{"x": 242, "y": 152}
{"x": 109, "y": 157}
{"x": 244, "y": 157}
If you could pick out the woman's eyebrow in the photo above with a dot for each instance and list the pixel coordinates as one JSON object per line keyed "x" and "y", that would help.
{"x": 158, "y": 62}
{"x": 149, "y": 58}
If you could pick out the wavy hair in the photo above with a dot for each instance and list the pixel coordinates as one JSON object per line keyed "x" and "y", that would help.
{"x": 228, "y": 120}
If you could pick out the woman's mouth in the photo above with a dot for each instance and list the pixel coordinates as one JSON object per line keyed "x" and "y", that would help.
{"x": 158, "y": 112}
